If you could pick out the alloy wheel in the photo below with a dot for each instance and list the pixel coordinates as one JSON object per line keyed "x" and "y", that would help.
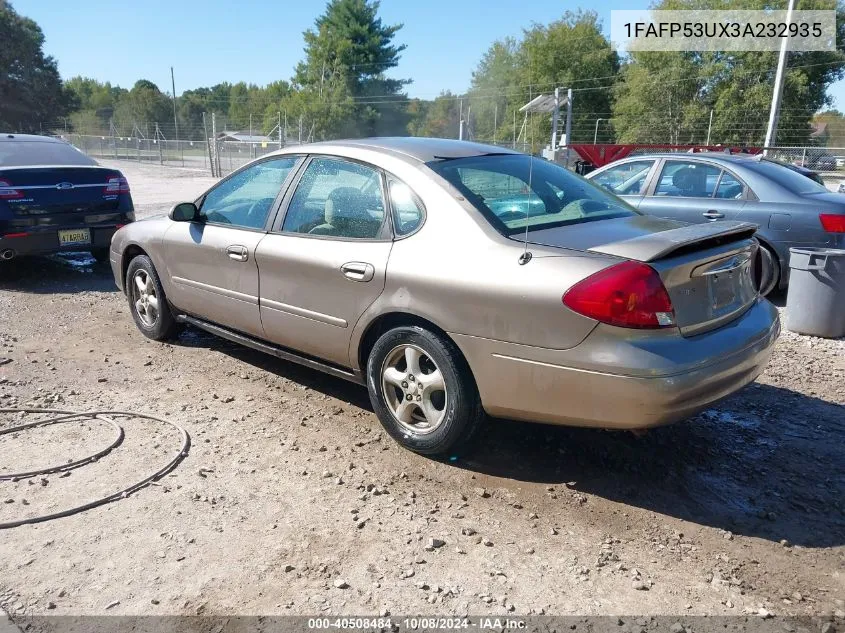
{"x": 146, "y": 300}
{"x": 414, "y": 389}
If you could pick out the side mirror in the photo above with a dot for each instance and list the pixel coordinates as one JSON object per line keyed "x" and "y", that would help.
{"x": 184, "y": 212}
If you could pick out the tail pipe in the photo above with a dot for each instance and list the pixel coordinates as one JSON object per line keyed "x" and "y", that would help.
{"x": 7, "y": 254}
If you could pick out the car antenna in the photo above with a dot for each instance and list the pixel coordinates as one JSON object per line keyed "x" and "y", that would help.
{"x": 526, "y": 254}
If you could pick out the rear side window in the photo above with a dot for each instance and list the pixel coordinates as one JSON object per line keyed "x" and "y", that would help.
{"x": 687, "y": 179}
{"x": 337, "y": 198}
{"x": 729, "y": 187}
{"x": 407, "y": 209}
{"x": 20, "y": 153}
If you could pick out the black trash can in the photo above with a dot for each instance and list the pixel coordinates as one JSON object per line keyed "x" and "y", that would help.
{"x": 582, "y": 167}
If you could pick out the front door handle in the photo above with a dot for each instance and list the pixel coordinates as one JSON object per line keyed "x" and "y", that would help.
{"x": 358, "y": 271}
{"x": 237, "y": 252}
{"x": 713, "y": 215}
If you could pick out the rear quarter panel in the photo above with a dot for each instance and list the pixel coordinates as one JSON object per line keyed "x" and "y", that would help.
{"x": 463, "y": 276}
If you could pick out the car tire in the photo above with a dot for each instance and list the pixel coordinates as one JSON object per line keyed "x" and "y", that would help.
{"x": 100, "y": 255}
{"x": 150, "y": 309}
{"x": 423, "y": 391}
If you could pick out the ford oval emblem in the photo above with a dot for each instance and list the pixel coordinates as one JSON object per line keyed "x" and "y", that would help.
{"x": 64, "y": 185}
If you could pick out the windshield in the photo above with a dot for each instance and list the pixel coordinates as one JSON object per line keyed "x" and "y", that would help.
{"x": 19, "y": 153}
{"x": 792, "y": 180}
{"x": 515, "y": 192}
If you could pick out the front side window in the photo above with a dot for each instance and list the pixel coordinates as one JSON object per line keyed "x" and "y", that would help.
{"x": 516, "y": 192}
{"x": 687, "y": 179}
{"x": 337, "y": 198}
{"x": 407, "y": 209}
{"x": 627, "y": 179}
{"x": 245, "y": 199}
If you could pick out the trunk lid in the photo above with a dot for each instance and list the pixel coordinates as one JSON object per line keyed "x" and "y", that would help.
{"x": 711, "y": 271}
{"x": 40, "y": 196}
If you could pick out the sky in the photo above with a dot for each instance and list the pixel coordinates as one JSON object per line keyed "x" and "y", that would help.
{"x": 259, "y": 41}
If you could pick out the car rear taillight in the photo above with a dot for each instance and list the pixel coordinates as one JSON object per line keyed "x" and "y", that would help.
{"x": 10, "y": 235}
{"x": 629, "y": 294}
{"x": 832, "y": 223}
{"x": 117, "y": 184}
{"x": 7, "y": 192}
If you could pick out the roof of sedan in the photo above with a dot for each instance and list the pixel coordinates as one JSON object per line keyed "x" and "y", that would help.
{"x": 7, "y": 137}
{"x": 419, "y": 148}
{"x": 710, "y": 155}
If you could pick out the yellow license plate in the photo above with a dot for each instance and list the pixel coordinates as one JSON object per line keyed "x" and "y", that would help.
{"x": 75, "y": 236}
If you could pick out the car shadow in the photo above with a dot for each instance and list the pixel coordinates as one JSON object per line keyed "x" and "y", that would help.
{"x": 60, "y": 273}
{"x": 767, "y": 462}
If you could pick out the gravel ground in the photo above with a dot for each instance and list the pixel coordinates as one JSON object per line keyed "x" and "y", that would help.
{"x": 293, "y": 500}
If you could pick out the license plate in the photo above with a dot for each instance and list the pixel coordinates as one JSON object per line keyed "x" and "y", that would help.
{"x": 75, "y": 236}
{"x": 723, "y": 291}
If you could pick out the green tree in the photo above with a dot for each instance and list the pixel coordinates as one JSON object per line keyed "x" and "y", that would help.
{"x": 144, "y": 106}
{"x": 442, "y": 117}
{"x": 347, "y": 56}
{"x": 31, "y": 91}
{"x": 667, "y": 96}
{"x": 571, "y": 52}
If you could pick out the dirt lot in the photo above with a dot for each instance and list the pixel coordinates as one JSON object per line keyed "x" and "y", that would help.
{"x": 293, "y": 501}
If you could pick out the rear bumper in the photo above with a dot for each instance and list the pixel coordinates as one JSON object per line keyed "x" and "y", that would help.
{"x": 622, "y": 383}
{"x": 45, "y": 242}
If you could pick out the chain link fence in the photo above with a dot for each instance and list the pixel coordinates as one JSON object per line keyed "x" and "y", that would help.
{"x": 219, "y": 158}
{"x": 223, "y": 156}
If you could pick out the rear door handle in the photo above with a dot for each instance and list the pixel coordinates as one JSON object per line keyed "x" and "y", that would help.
{"x": 237, "y": 252}
{"x": 358, "y": 271}
{"x": 713, "y": 215}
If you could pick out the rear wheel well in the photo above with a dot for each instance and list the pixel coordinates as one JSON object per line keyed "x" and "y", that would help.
{"x": 389, "y": 321}
{"x": 131, "y": 252}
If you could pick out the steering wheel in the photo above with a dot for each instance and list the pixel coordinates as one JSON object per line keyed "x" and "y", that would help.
{"x": 255, "y": 209}
{"x": 509, "y": 216}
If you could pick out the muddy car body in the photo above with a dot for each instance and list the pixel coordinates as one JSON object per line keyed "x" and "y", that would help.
{"x": 380, "y": 261}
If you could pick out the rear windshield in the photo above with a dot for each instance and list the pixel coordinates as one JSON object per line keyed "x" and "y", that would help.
{"x": 786, "y": 177}
{"x": 23, "y": 153}
{"x": 516, "y": 192}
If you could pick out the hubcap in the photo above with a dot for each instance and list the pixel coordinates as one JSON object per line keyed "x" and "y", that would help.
{"x": 414, "y": 389}
{"x": 146, "y": 300}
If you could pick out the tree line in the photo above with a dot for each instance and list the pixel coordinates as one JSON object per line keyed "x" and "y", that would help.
{"x": 344, "y": 87}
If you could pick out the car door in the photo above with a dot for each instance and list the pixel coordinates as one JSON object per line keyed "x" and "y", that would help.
{"x": 324, "y": 263}
{"x": 694, "y": 191}
{"x": 627, "y": 179}
{"x": 211, "y": 261}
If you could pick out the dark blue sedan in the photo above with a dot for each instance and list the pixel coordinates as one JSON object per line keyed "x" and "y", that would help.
{"x": 54, "y": 198}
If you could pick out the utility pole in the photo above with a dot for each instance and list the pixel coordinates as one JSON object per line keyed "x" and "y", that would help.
{"x": 777, "y": 93}
{"x": 208, "y": 144}
{"x": 215, "y": 155}
{"x": 555, "y": 116}
{"x": 175, "y": 120}
{"x": 709, "y": 127}
{"x": 461, "y": 122}
{"x": 568, "y": 122}
{"x": 495, "y": 120}
{"x": 514, "y": 128}
{"x": 280, "y": 129}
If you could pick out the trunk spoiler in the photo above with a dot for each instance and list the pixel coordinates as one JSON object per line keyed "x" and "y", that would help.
{"x": 654, "y": 246}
